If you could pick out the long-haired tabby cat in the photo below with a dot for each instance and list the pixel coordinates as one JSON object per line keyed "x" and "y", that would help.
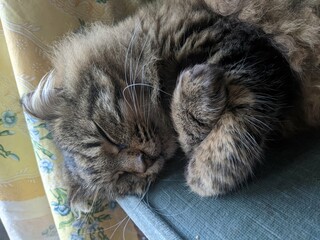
{"x": 218, "y": 78}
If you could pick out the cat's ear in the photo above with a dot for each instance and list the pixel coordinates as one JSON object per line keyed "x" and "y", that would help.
{"x": 44, "y": 101}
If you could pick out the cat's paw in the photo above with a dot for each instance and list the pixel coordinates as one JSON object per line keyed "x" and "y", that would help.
{"x": 201, "y": 93}
{"x": 204, "y": 179}
{"x": 198, "y": 101}
{"x": 226, "y": 158}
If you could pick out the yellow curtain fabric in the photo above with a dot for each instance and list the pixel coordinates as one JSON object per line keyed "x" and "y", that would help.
{"x": 33, "y": 202}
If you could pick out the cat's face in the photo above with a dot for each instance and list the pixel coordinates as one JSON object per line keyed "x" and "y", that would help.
{"x": 116, "y": 137}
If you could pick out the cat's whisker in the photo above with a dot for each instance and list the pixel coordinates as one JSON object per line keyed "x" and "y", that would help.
{"x": 118, "y": 225}
{"x": 137, "y": 73}
{"x": 161, "y": 210}
{"x": 143, "y": 97}
{"x": 130, "y": 46}
{"x": 243, "y": 62}
{"x": 124, "y": 228}
{"x": 73, "y": 209}
{"x": 146, "y": 190}
{"x": 94, "y": 200}
{"x": 90, "y": 209}
{"x": 143, "y": 103}
{"x": 148, "y": 105}
{"x": 126, "y": 100}
{"x": 144, "y": 85}
{"x": 255, "y": 119}
{"x": 84, "y": 221}
{"x": 142, "y": 70}
{"x": 140, "y": 55}
{"x": 236, "y": 63}
{"x": 127, "y": 219}
{"x": 132, "y": 77}
{"x": 127, "y": 54}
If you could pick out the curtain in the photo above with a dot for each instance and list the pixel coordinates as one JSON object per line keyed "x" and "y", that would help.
{"x": 33, "y": 199}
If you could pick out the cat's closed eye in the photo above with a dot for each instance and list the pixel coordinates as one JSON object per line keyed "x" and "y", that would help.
{"x": 106, "y": 136}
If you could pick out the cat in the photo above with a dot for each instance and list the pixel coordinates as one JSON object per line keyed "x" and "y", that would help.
{"x": 216, "y": 78}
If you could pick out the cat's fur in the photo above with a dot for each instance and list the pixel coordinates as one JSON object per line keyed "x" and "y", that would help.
{"x": 225, "y": 77}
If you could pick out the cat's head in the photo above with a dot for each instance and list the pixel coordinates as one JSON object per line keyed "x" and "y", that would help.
{"x": 114, "y": 134}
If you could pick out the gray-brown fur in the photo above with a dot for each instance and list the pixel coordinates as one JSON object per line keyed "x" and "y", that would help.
{"x": 224, "y": 83}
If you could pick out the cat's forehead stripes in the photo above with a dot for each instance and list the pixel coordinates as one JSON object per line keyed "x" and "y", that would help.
{"x": 98, "y": 92}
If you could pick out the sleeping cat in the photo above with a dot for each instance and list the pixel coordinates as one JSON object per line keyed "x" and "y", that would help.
{"x": 217, "y": 80}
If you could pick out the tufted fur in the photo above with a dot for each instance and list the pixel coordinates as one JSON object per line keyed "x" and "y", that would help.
{"x": 295, "y": 26}
{"x": 226, "y": 75}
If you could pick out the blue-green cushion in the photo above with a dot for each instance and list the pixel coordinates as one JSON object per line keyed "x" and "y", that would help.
{"x": 282, "y": 202}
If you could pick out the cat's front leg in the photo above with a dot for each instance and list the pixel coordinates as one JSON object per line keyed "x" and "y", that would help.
{"x": 198, "y": 102}
{"x": 222, "y": 144}
{"x": 226, "y": 157}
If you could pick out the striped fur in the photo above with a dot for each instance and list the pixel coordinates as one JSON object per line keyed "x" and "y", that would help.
{"x": 224, "y": 77}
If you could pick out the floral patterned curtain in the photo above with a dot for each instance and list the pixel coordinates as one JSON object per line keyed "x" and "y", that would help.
{"x": 33, "y": 200}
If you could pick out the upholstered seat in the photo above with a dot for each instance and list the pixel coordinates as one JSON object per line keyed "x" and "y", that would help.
{"x": 282, "y": 202}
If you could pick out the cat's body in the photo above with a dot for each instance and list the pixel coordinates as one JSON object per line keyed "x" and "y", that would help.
{"x": 223, "y": 84}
